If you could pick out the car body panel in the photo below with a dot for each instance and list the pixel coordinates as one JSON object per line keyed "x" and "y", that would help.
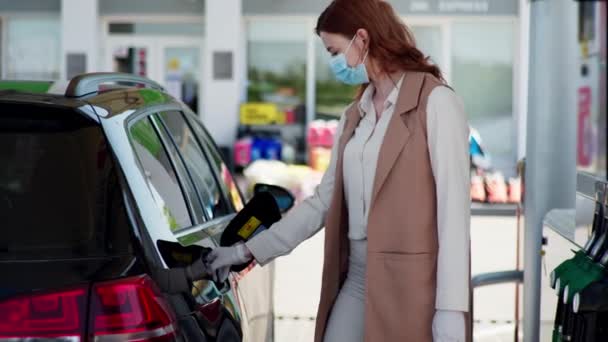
{"x": 116, "y": 127}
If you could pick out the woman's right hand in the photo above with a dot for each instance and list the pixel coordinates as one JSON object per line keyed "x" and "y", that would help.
{"x": 221, "y": 259}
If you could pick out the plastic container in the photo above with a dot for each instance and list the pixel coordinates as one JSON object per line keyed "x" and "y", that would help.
{"x": 258, "y": 146}
{"x": 288, "y": 153}
{"x": 319, "y": 158}
{"x": 242, "y": 151}
{"x": 272, "y": 149}
{"x": 321, "y": 133}
{"x": 290, "y": 116}
{"x": 314, "y": 132}
{"x": 333, "y": 129}
{"x": 328, "y": 132}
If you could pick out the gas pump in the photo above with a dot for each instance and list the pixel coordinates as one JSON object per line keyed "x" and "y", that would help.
{"x": 581, "y": 282}
{"x": 586, "y": 276}
{"x": 581, "y": 270}
{"x": 591, "y": 309}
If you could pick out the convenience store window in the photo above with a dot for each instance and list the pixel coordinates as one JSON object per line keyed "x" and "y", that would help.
{"x": 276, "y": 61}
{"x": 483, "y": 77}
{"x": 32, "y": 48}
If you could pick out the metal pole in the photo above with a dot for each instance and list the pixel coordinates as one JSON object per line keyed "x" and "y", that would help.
{"x": 551, "y": 136}
{"x": 517, "y": 267}
{"x": 311, "y": 104}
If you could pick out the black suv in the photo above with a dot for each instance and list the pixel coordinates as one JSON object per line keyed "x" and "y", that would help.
{"x": 106, "y": 184}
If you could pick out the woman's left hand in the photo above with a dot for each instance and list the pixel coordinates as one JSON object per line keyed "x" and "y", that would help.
{"x": 449, "y": 326}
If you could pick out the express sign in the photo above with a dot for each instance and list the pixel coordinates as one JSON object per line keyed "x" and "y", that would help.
{"x": 404, "y": 7}
{"x": 461, "y": 7}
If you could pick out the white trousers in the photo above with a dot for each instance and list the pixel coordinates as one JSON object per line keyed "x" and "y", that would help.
{"x": 347, "y": 319}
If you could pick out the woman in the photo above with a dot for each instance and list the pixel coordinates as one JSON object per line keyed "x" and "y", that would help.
{"x": 395, "y": 198}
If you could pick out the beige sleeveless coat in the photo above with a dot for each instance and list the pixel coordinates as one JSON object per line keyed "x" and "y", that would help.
{"x": 401, "y": 231}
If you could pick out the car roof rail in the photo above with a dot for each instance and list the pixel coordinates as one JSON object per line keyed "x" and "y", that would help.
{"x": 86, "y": 84}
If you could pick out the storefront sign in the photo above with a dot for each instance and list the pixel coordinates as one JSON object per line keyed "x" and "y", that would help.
{"x": 261, "y": 113}
{"x": 457, "y": 7}
{"x": 404, "y": 7}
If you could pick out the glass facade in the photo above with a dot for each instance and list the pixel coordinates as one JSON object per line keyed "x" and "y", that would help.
{"x": 278, "y": 51}
{"x": 429, "y": 40}
{"x": 483, "y": 77}
{"x": 276, "y": 65}
{"x": 182, "y": 73}
{"x": 32, "y": 48}
{"x": 167, "y": 51}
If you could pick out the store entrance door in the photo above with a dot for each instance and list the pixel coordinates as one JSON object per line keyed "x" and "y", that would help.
{"x": 174, "y": 62}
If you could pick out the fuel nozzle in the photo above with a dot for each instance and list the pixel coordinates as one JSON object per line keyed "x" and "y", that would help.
{"x": 588, "y": 286}
{"x": 590, "y": 308}
{"x": 179, "y": 279}
{"x": 198, "y": 269}
{"x": 597, "y": 242}
{"x": 579, "y": 278}
{"x": 594, "y": 298}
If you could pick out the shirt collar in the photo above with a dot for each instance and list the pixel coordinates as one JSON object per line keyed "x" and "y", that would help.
{"x": 366, "y": 103}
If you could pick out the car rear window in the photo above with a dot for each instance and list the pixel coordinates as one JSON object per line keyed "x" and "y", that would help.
{"x": 59, "y": 190}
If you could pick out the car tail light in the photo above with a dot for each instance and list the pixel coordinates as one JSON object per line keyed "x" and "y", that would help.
{"x": 54, "y": 315}
{"x": 130, "y": 309}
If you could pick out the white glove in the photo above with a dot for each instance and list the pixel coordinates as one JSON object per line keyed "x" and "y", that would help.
{"x": 221, "y": 259}
{"x": 449, "y": 326}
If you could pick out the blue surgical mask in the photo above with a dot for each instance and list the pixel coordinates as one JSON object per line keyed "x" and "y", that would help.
{"x": 350, "y": 75}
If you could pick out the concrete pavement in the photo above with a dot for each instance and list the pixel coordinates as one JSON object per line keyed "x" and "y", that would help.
{"x": 298, "y": 283}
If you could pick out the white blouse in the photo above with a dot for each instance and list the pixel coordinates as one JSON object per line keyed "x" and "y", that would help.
{"x": 448, "y": 144}
{"x": 361, "y": 157}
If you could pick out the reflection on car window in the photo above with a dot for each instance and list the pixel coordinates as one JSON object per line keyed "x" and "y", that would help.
{"x": 159, "y": 174}
{"x": 59, "y": 191}
{"x": 227, "y": 182}
{"x": 197, "y": 164}
{"x": 187, "y": 185}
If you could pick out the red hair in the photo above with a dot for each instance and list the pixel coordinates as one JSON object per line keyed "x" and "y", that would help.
{"x": 392, "y": 43}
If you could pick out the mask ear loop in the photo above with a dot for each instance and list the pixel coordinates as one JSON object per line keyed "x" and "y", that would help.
{"x": 365, "y": 57}
{"x": 350, "y": 44}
